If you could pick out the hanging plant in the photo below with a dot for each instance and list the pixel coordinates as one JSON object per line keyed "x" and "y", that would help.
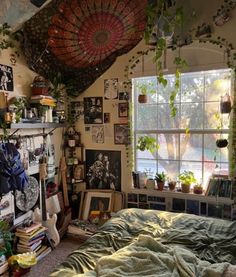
{"x": 146, "y": 143}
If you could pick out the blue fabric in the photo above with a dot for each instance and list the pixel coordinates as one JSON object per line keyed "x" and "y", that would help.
{"x": 12, "y": 173}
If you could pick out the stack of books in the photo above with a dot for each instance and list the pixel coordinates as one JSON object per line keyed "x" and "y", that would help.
{"x": 33, "y": 238}
{"x": 43, "y": 100}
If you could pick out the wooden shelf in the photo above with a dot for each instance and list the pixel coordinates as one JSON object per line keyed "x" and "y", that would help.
{"x": 36, "y": 125}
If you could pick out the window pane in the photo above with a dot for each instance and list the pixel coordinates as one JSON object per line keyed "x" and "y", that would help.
{"x": 165, "y": 121}
{"x": 146, "y": 165}
{"x": 171, "y": 168}
{"x": 212, "y": 116}
{"x": 217, "y": 84}
{"x": 169, "y": 144}
{"x": 146, "y": 117}
{"x": 163, "y": 93}
{"x": 209, "y": 168}
{"x": 191, "y": 147}
{"x": 192, "y": 87}
{"x": 191, "y": 116}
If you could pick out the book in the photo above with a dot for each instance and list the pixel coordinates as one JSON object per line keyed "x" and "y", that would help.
{"x": 43, "y": 254}
{"x": 28, "y": 248}
{"x": 31, "y": 235}
{"x": 29, "y": 229}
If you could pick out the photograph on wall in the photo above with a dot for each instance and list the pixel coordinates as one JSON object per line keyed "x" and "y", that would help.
{"x": 123, "y": 110}
{"x": 124, "y": 95}
{"x": 6, "y": 78}
{"x": 77, "y": 109}
{"x": 111, "y": 89}
{"x": 93, "y": 107}
{"x": 103, "y": 169}
{"x": 107, "y": 117}
{"x": 98, "y": 134}
{"x": 121, "y": 134}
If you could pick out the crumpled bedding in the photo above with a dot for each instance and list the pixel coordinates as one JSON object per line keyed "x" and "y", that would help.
{"x": 182, "y": 244}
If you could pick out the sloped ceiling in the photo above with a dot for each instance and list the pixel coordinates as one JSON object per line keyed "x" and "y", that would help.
{"x": 82, "y": 39}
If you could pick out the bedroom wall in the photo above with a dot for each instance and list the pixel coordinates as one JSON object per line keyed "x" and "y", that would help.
{"x": 22, "y": 79}
{"x": 198, "y": 56}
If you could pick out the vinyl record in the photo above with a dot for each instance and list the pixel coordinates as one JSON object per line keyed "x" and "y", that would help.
{"x": 27, "y": 199}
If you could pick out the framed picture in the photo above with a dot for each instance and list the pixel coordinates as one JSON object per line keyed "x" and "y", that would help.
{"x": 103, "y": 169}
{"x": 97, "y": 201}
{"x": 77, "y": 109}
{"x": 107, "y": 117}
{"x": 111, "y": 89}
{"x": 98, "y": 134}
{"x": 121, "y": 134}
{"x": 124, "y": 96}
{"x": 6, "y": 78}
{"x": 123, "y": 109}
{"x": 93, "y": 107}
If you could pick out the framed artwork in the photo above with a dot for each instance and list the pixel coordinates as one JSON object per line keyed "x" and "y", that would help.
{"x": 77, "y": 109}
{"x": 97, "y": 201}
{"x": 124, "y": 96}
{"x": 111, "y": 89}
{"x": 6, "y": 78}
{"x": 103, "y": 169}
{"x": 98, "y": 134}
{"x": 123, "y": 109}
{"x": 93, "y": 107}
{"x": 107, "y": 117}
{"x": 121, "y": 134}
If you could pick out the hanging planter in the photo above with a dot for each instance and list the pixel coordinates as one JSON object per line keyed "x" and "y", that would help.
{"x": 142, "y": 98}
{"x": 221, "y": 143}
{"x": 225, "y": 104}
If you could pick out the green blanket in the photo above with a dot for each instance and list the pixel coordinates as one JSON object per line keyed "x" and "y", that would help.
{"x": 134, "y": 240}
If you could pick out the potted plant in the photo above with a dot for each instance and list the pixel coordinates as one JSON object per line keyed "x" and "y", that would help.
{"x": 147, "y": 143}
{"x": 198, "y": 189}
{"x": 221, "y": 143}
{"x": 145, "y": 89}
{"x": 171, "y": 184}
{"x": 186, "y": 178}
{"x": 160, "y": 179}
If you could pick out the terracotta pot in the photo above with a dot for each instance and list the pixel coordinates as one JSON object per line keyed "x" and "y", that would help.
{"x": 172, "y": 185}
{"x": 142, "y": 98}
{"x": 185, "y": 188}
{"x": 160, "y": 185}
{"x": 198, "y": 190}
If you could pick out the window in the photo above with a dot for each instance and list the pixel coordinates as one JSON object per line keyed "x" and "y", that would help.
{"x": 198, "y": 102}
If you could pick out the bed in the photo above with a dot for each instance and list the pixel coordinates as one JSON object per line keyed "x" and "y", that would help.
{"x": 150, "y": 243}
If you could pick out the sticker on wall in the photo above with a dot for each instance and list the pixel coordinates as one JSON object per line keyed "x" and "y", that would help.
{"x": 77, "y": 109}
{"x": 103, "y": 169}
{"x": 6, "y": 78}
{"x": 111, "y": 89}
{"x": 93, "y": 107}
{"x": 98, "y": 134}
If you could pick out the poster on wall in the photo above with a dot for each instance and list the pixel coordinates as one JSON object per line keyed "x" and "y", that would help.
{"x": 111, "y": 89}
{"x": 98, "y": 134}
{"x": 93, "y": 110}
{"x": 6, "y": 78}
{"x": 103, "y": 169}
{"x": 77, "y": 109}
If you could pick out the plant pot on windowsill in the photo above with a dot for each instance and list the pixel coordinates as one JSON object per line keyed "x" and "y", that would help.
{"x": 198, "y": 189}
{"x": 185, "y": 188}
{"x": 172, "y": 185}
{"x": 160, "y": 186}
